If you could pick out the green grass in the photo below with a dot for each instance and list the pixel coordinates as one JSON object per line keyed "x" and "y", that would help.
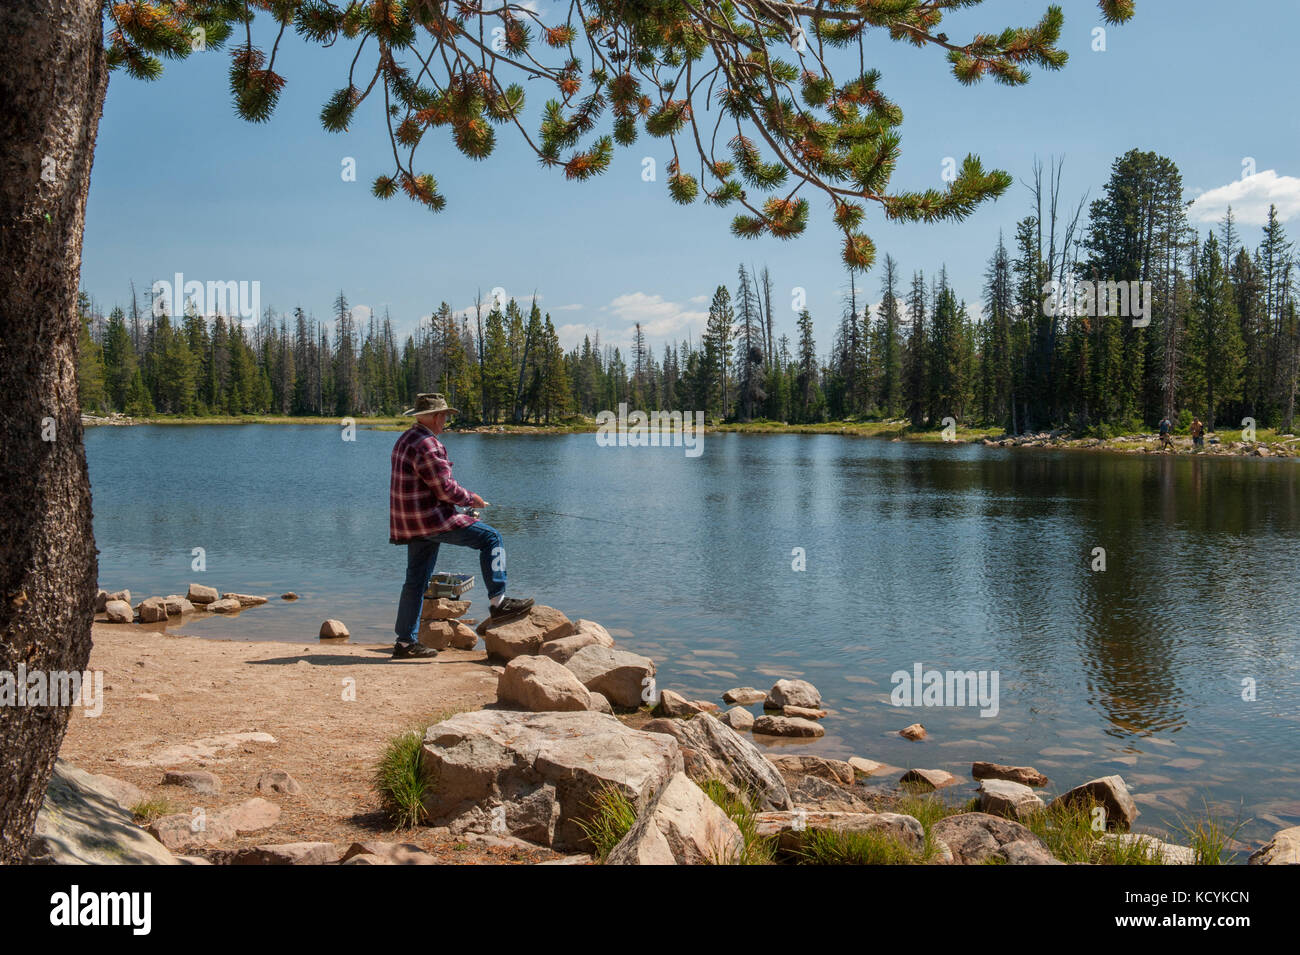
{"x": 1069, "y": 834}
{"x": 398, "y": 781}
{"x": 927, "y": 810}
{"x": 827, "y": 847}
{"x": 613, "y": 815}
{"x": 756, "y": 850}
{"x": 147, "y": 810}
{"x": 1210, "y": 835}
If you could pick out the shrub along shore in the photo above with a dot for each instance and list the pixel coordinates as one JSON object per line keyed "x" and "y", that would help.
{"x": 1265, "y": 442}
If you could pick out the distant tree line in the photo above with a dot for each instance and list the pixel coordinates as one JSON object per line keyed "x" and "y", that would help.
{"x": 1221, "y": 341}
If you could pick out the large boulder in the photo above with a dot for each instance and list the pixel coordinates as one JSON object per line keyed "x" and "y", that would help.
{"x": 288, "y": 853}
{"x": 1284, "y": 849}
{"x": 81, "y": 822}
{"x": 976, "y": 837}
{"x": 621, "y": 676}
{"x": 1109, "y": 792}
{"x": 538, "y": 775}
{"x": 541, "y": 685}
{"x": 793, "y": 693}
{"x": 790, "y": 829}
{"x": 681, "y": 826}
{"x": 712, "y": 750}
{"x": 524, "y": 635}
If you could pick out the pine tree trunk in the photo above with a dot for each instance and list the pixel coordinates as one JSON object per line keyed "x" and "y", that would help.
{"x": 51, "y": 93}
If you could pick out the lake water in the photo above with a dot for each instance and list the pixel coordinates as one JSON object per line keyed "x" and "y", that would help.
{"x": 956, "y": 557}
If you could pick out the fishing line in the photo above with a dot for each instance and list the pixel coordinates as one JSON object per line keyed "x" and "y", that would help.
{"x": 577, "y": 517}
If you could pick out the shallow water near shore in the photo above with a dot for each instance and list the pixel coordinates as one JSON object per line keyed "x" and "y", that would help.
{"x": 956, "y": 557}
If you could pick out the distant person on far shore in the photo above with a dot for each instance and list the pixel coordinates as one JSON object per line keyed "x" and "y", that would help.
{"x": 422, "y": 514}
{"x": 1198, "y": 434}
{"x": 1166, "y": 442}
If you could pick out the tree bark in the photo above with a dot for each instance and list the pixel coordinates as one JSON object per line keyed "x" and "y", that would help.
{"x": 51, "y": 93}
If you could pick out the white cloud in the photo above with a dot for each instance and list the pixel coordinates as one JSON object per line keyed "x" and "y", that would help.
{"x": 1250, "y": 198}
{"x": 659, "y": 318}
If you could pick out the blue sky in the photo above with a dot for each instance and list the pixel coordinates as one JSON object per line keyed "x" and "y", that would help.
{"x": 181, "y": 184}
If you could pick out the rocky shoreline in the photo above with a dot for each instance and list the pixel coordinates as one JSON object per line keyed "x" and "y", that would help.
{"x": 578, "y": 724}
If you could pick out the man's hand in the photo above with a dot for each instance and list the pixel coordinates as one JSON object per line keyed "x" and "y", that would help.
{"x": 478, "y": 502}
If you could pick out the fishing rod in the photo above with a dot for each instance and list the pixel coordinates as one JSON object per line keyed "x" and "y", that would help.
{"x": 578, "y": 517}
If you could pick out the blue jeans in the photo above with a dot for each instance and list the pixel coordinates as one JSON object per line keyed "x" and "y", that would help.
{"x": 422, "y": 554}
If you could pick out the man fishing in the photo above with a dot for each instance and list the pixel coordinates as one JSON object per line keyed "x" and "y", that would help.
{"x": 422, "y": 514}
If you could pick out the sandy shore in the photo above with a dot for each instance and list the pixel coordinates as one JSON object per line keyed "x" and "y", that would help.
{"x": 167, "y": 689}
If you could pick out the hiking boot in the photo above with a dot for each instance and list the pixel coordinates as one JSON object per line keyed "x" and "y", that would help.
{"x": 412, "y": 651}
{"x": 511, "y": 607}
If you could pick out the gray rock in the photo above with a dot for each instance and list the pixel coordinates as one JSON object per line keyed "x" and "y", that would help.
{"x": 289, "y": 853}
{"x": 928, "y": 779}
{"x": 681, "y": 826}
{"x": 1025, "y": 775}
{"x": 178, "y": 605}
{"x": 744, "y": 695}
{"x": 563, "y": 649}
{"x": 712, "y": 750}
{"x": 797, "y": 766}
{"x": 152, "y": 610}
{"x": 976, "y": 837}
{"x": 789, "y": 829}
{"x": 674, "y": 705}
{"x": 787, "y": 726}
{"x": 544, "y": 769}
{"x": 388, "y": 853}
{"x": 739, "y": 719}
{"x": 245, "y": 600}
{"x": 440, "y": 608}
{"x": 1002, "y": 797}
{"x": 793, "y": 693}
{"x": 1283, "y": 849}
{"x": 590, "y": 628}
{"x": 1111, "y": 793}
{"x": 197, "y": 780}
{"x": 622, "y": 677}
{"x": 225, "y": 605}
{"x": 814, "y": 792}
{"x": 914, "y": 732}
{"x": 278, "y": 781}
{"x": 541, "y": 685}
{"x": 201, "y": 594}
{"x": 82, "y": 823}
{"x": 119, "y": 611}
{"x": 524, "y": 635}
{"x": 333, "y": 629}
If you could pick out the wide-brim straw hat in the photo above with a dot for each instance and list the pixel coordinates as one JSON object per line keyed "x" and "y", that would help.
{"x": 432, "y": 403}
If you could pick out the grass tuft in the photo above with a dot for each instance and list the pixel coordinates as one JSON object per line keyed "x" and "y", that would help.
{"x": 613, "y": 816}
{"x": 155, "y": 807}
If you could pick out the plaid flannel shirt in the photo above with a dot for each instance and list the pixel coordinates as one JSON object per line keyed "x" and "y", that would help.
{"x": 422, "y": 495}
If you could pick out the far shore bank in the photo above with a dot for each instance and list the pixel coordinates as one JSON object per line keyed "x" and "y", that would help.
{"x": 1232, "y": 443}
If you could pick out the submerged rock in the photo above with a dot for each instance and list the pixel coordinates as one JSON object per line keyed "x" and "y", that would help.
{"x": 1024, "y": 775}
{"x": 787, "y": 726}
